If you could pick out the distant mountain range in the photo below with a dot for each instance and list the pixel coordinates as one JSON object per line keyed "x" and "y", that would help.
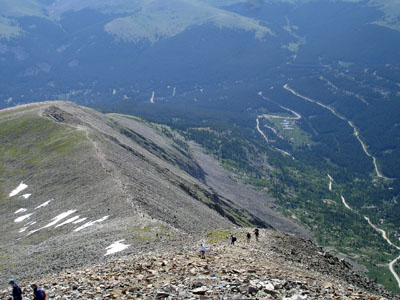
{"x": 82, "y": 51}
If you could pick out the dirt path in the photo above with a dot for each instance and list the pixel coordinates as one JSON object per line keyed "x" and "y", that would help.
{"x": 345, "y": 203}
{"x": 260, "y": 131}
{"x": 330, "y": 182}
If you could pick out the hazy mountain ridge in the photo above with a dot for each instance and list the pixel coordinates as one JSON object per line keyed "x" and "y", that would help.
{"x": 83, "y": 51}
{"x": 152, "y": 20}
{"x": 148, "y": 20}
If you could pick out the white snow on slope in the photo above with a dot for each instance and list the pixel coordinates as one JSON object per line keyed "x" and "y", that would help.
{"x": 22, "y": 186}
{"x": 22, "y": 218}
{"x": 91, "y": 223}
{"x": 116, "y": 247}
{"x": 60, "y": 217}
{"x": 43, "y": 204}
{"x": 55, "y": 220}
{"x": 80, "y": 221}
{"x": 27, "y": 226}
{"x": 71, "y": 220}
{"x": 26, "y": 196}
{"x": 21, "y": 210}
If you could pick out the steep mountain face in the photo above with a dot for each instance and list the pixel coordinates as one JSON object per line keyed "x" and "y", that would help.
{"x": 74, "y": 181}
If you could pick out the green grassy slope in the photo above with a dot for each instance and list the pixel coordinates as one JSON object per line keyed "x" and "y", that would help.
{"x": 30, "y": 143}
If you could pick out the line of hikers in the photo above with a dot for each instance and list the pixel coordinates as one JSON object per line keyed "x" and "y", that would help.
{"x": 248, "y": 236}
{"x": 233, "y": 240}
{"x": 38, "y": 293}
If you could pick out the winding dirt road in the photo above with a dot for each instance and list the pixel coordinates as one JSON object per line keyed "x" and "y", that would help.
{"x": 351, "y": 124}
{"x": 267, "y": 140}
{"x": 377, "y": 171}
{"x": 297, "y": 116}
{"x": 384, "y": 236}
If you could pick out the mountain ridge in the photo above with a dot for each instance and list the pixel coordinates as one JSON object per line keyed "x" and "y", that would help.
{"x": 73, "y": 180}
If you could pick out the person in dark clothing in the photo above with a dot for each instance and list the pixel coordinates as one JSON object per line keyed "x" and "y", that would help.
{"x": 16, "y": 290}
{"x": 256, "y": 233}
{"x": 233, "y": 239}
{"x": 37, "y": 292}
{"x": 248, "y": 237}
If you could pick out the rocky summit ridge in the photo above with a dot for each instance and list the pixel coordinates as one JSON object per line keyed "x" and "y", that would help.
{"x": 279, "y": 266}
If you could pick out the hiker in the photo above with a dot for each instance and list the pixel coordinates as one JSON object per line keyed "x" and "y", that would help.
{"x": 16, "y": 290}
{"x": 202, "y": 251}
{"x": 248, "y": 237}
{"x": 233, "y": 239}
{"x": 256, "y": 233}
{"x": 37, "y": 292}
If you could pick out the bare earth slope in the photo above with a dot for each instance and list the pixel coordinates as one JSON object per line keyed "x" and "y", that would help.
{"x": 258, "y": 203}
{"x": 73, "y": 181}
{"x": 223, "y": 182}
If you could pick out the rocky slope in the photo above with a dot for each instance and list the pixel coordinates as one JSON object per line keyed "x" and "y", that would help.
{"x": 279, "y": 266}
{"x": 74, "y": 181}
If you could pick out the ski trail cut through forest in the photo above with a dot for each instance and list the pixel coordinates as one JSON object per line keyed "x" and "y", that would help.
{"x": 351, "y": 124}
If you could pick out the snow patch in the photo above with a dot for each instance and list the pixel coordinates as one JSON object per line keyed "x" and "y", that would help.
{"x": 22, "y": 186}
{"x": 79, "y": 221}
{"x": 21, "y": 210}
{"x": 71, "y": 220}
{"x": 116, "y": 247}
{"x": 91, "y": 223}
{"x": 54, "y": 221}
{"x": 26, "y": 227}
{"x": 43, "y": 204}
{"x": 26, "y": 196}
{"x": 60, "y": 217}
{"x": 22, "y": 218}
